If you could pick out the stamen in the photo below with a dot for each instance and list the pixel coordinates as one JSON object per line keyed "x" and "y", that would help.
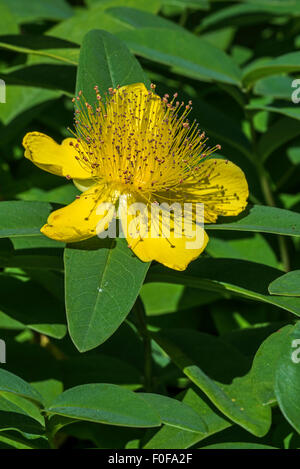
{"x": 132, "y": 138}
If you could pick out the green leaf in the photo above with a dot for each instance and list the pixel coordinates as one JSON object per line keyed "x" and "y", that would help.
{"x": 286, "y": 63}
{"x": 242, "y": 278}
{"x": 221, "y": 373}
{"x": 194, "y": 4}
{"x": 22, "y": 218}
{"x": 49, "y": 389}
{"x": 186, "y": 53}
{"x": 284, "y": 130}
{"x": 141, "y": 19}
{"x": 160, "y": 298}
{"x": 250, "y": 9}
{"x": 105, "y": 61}
{"x": 8, "y": 23}
{"x": 143, "y": 5}
{"x": 93, "y": 277}
{"x": 278, "y": 86}
{"x": 262, "y": 219}
{"x": 239, "y": 245}
{"x": 20, "y": 98}
{"x": 105, "y": 403}
{"x": 234, "y": 445}
{"x": 293, "y": 153}
{"x": 13, "y": 440}
{"x": 13, "y": 384}
{"x": 287, "y": 285}
{"x": 277, "y": 107}
{"x": 221, "y": 38}
{"x": 175, "y": 413}
{"x": 287, "y": 385}
{"x": 18, "y": 413}
{"x": 74, "y": 29}
{"x": 36, "y": 10}
{"x": 265, "y": 364}
{"x": 175, "y": 438}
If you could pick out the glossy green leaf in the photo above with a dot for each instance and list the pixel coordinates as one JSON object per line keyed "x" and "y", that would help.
{"x": 74, "y": 29}
{"x": 22, "y": 218}
{"x": 37, "y": 10}
{"x": 143, "y": 5}
{"x": 13, "y": 440}
{"x": 175, "y": 413}
{"x": 105, "y": 403}
{"x": 246, "y": 279}
{"x": 262, "y": 219}
{"x": 282, "y": 131}
{"x": 20, "y": 98}
{"x": 175, "y": 438}
{"x": 194, "y": 4}
{"x": 141, "y": 19}
{"x": 240, "y": 245}
{"x": 252, "y": 9}
{"x": 21, "y": 415}
{"x": 246, "y": 446}
{"x": 160, "y": 298}
{"x": 105, "y": 61}
{"x": 286, "y": 63}
{"x": 265, "y": 364}
{"x": 287, "y": 385}
{"x": 93, "y": 276}
{"x": 293, "y": 153}
{"x": 8, "y": 22}
{"x": 186, "y": 53}
{"x": 11, "y": 383}
{"x": 278, "y": 86}
{"x": 287, "y": 285}
{"x": 282, "y": 108}
{"x": 221, "y": 373}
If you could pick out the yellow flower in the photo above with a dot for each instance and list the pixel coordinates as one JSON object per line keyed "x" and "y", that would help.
{"x": 138, "y": 147}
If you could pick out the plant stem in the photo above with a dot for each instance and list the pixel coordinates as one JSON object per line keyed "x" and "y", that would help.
{"x": 141, "y": 323}
{"x": 49, "y": 434}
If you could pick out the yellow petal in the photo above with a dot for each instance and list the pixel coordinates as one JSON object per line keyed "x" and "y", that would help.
{"x": 150, "y": 240}
{"x": 81, "y": 219}
{"x": 48, "y": 155}
{"x": 221, "y": 186}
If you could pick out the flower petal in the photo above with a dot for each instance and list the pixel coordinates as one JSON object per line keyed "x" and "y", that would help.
{"x": 81, "y": 219}
{"x": 48, "y": 155}
{"x": 152, "y": 240}
{"x": 221, "y": 186}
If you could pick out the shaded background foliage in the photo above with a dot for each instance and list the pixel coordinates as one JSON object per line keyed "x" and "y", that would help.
{"x": 202, "y": 358}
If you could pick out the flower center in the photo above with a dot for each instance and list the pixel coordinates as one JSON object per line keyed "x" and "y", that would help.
{"x": 138, "y": 141}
